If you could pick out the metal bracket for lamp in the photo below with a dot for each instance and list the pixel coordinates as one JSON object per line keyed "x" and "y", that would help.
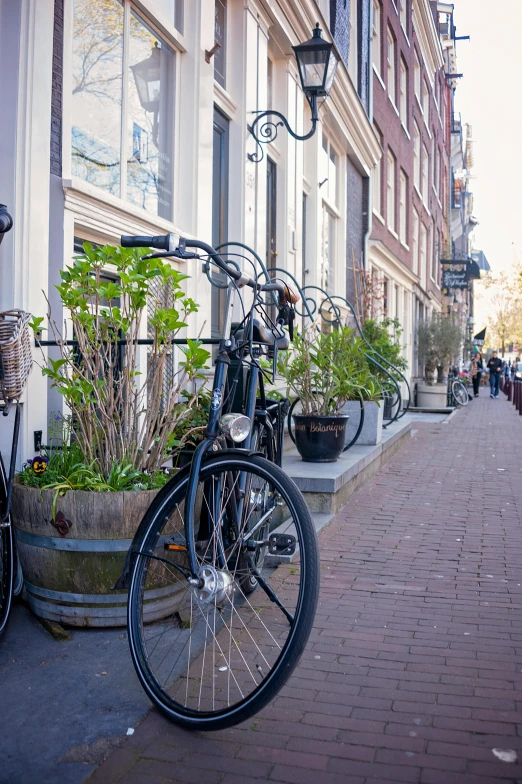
{"x": 268, "y": 129}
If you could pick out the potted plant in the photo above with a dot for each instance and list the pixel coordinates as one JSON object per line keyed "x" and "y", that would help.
{"x": 76, "y": 516}
{"x": 325, "y": 371}
{"x": 438, "y": 342}
{"x": 385, "y": 339}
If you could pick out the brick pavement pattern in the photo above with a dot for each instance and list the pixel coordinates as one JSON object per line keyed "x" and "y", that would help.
{"x": 413, "y": 672}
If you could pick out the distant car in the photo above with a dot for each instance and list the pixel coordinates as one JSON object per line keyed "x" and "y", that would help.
{"x": 518, "y": 369}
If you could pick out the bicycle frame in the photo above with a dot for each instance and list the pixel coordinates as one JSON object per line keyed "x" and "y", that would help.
{"x": 212, "y": 432}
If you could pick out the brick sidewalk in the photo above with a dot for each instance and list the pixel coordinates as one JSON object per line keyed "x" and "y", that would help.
{"x": 414, "y": 669}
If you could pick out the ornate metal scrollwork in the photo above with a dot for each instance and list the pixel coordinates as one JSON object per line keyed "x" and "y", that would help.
{"x": 265, "y": 131}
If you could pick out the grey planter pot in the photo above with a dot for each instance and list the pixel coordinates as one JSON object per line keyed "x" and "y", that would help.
{"x": 371, "y": 432}
{"x": 435, "y": 396}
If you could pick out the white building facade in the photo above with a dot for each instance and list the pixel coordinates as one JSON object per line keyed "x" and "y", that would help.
{"x": 84, "y": 155}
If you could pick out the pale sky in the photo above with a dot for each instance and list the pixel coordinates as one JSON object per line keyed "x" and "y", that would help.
{"x": 489, "y": 97}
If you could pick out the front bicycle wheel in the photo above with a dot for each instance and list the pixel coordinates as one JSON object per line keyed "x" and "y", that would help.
{"x": 460, "y": 393}
{"x": 218, "y": 654}
{"x": 6, "y": 554}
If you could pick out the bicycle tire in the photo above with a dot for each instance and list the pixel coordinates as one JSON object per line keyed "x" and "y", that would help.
{"x": 459, "y": 392}
{"x": 149, "y": 655}
{"x": 6, "y": 555}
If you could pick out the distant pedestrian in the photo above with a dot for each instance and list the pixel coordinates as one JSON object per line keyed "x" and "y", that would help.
{"x": 495, "y": 368}
{"x": 475, "y": 372}
{"x": 506, "y": 370}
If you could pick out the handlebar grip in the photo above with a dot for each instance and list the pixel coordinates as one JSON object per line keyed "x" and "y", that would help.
{"x": 161, "y": 242}
{"x": 6, "y": 222}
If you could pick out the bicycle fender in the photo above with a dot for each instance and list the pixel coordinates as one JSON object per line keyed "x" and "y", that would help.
{"x": 123, "y": 581}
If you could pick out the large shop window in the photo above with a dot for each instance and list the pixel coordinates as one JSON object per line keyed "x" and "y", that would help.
{"x": 122, "y": 122}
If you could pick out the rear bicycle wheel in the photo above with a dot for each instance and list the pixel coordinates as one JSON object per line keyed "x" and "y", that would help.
{"x": 218, "y": 655}
{"x": 460, "y": 394}
{"x": 6, "y": 554}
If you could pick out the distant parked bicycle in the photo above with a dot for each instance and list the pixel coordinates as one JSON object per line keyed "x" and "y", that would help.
{"x": 457, "y": 392}
{"x": 15, "y": 366}
{"x": 230, "y": 532}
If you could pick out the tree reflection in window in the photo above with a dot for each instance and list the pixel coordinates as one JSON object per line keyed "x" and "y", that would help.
{"x": 149, "y": 120}
{"x": 97, "y": 84}
{"x": 142, "y": 174}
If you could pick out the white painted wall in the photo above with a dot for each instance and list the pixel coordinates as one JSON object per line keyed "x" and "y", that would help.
{"x": 30, "y": 261}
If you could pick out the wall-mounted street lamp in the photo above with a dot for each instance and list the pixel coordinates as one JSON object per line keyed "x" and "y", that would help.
{"x": 316, "y": 63}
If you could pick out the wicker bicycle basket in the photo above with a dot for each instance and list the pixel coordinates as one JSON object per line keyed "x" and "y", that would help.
{"x": 15, "y": 353}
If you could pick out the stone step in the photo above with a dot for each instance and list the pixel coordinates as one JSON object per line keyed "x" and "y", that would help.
{"x": 327, "y": 486}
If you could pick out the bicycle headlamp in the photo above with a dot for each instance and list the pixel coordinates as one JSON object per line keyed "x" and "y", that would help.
{"x": 235, "y": 426}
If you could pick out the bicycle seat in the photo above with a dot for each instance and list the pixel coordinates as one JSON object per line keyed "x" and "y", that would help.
{"x": 265, "y": 336}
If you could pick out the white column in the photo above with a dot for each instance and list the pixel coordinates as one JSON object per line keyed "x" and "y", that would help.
{"x": 26, "y": 50}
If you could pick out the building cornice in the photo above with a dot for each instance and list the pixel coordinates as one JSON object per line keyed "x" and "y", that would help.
{"x": 428, "y": 36}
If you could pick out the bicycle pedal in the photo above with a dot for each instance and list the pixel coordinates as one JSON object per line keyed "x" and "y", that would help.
{"x": 281, "y": 544}
{"x": 175, "y": 542}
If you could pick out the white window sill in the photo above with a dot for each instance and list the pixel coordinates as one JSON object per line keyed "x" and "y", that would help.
{"x": 394, "y": 107}
{"x": 406, "y": 131}
{"x": 379, "y": 77}
{"x": 76, "y": 189}
{"x": 427, "y": 127}
{"x": 405, "y": 34}
{"x": 405, "y": 246}
{"x": 393, "y": 232}
{"x": 379, "y": 217}
{"x": 419, "y": 194}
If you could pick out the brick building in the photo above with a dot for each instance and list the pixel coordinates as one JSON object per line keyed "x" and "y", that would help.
{"x": 410, "y": 196}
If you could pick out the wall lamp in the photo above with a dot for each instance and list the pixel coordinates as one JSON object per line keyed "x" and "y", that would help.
{"x": 316, "y": 63}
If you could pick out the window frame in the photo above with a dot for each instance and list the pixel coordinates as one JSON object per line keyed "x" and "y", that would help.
{"x": 391, "y": 66}
{"x": 391, "y": 187}
{"x": 417, "y": 76}
{"x": 425, "y": 97}
{"x": 377, "y": 180}
{"x": 377, "y": 37}
{"x": 423, "y": 247}
{"x": 415, "y": 241}
{"x": 417, "y": 170}
{"x": 403, "y": 15}
{"x": 403, "y": 207}
{"x": 403, "y": 92}
{"x": 169, "y": 32}
{"x": 425, "y": 174}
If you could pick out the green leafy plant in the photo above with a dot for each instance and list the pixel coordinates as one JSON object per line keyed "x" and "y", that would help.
{"x": 327, "y": 370}
{"x": 189, "y": 430}
{"x": 66, "y": 470}
{"x": 125, "y": 401}
{"x": 385, "y": 338}
{"x": 439, "y": 340}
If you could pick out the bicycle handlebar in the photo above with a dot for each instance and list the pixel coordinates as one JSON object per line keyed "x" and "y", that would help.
{"x": 161, "y": 242}
{"x": 173, "y": 245}
{"x": 6, "y": 222}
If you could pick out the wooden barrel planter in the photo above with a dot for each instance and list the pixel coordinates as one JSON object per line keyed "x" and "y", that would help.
{"x": 69, "y": 578}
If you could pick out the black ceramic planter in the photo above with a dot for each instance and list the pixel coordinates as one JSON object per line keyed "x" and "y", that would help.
{"x": 320, "y": 439}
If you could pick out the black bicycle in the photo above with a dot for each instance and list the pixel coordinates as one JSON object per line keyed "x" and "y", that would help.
{"x": 230, "y": 532}
{"x": 457, "y": 392}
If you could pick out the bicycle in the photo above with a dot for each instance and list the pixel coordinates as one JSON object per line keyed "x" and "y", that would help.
{"x": 232, "y": 532}
{"x": 457, "y": 392}
{"x": 15, "y": 366}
